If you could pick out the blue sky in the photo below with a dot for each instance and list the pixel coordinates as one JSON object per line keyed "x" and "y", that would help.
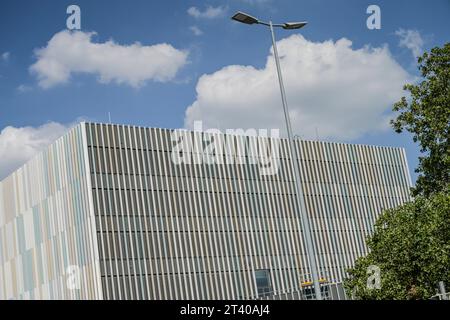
{"x": 210, "y": 43}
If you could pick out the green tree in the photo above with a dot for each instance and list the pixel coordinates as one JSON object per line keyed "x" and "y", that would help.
{"x": 426, "y": 114}
{"x": 411, "y": 246}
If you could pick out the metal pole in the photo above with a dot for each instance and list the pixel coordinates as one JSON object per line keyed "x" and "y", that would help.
{"x": 442, "y": 290}
{"x": 298, "y": 187}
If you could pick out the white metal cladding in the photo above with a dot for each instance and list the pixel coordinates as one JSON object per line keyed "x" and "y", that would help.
{"x": 200, "y": 231}
{"x": 46, "y": 227}
{"x": 189, "y": 231}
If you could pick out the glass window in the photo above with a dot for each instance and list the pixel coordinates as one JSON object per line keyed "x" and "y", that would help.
{"x": 263, "y": 282}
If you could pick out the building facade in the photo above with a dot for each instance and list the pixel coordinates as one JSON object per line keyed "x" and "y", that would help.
{"x": 110, "y": 212}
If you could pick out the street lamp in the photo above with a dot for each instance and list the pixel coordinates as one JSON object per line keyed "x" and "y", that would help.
{"x": 248, "y": 19}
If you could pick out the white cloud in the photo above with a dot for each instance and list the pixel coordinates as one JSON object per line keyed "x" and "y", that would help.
{"x": 19, "y": 144}
{"x": 209, "y": 13}
{"x": 256, "y": 2}
{"x": 412, "y": 40}
{"x": 196, "y": 30}
{"x": 5, "y": 56}
{"x": 341, "y": 91}
{"x": 24, "y": 88}
{"x": 74, "y": 52}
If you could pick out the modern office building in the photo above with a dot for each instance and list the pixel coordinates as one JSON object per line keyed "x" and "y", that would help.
{"x": 110, "y": 212}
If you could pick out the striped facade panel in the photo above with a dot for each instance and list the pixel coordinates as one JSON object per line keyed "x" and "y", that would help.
{"x": 203, "y": 230}
{"x": 112, "y": 202}
{"x": 47, "y": 250}
{"x": 346, "y": 187}
{"x": 171, "y": 231}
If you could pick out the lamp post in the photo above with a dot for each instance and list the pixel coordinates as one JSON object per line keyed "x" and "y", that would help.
{"x": 248, "y": 19}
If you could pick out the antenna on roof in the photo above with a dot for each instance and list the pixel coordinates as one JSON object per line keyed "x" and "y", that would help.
{"x": 109, "y": 117}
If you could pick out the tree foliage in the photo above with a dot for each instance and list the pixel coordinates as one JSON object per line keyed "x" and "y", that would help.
{"x": 426, "y": 114}
{"x": 411, "y": 246}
